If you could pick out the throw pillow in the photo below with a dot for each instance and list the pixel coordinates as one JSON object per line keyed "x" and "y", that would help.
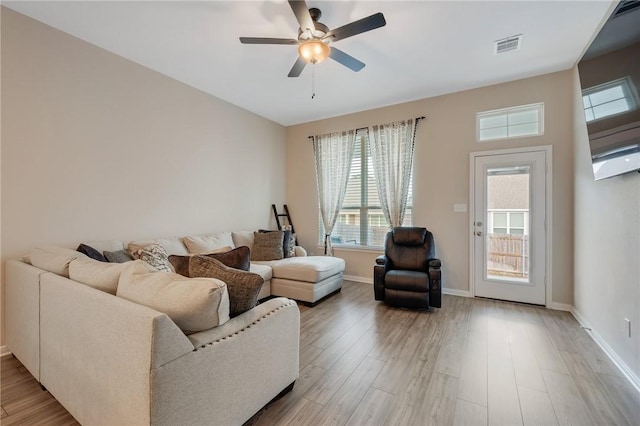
{"x": 194, "y": 304}
{"x": 292, "y": 245}
{"x": 155, "y": 255}
{"x": 243, "y": 286}
{"x": 119, "y": 256}
{"x": 99, "y": 275}
{"x": 286, "y": 241}
{"x": 268, "y": 245}
{"x": 91, "y": 252}
{"x": 207, "y": 243}
{"x": 54, "y": 259}
{"x": 238, "y": 258}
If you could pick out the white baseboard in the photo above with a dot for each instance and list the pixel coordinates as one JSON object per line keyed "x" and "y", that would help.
{"x": 4, "y": 351}
{"x": 456, "y": 292}
{"x": 622, "y": 366}
{"x": 369, "y": 280}
{"x": 366, "y": 280}
{"x": 560, "y": 306}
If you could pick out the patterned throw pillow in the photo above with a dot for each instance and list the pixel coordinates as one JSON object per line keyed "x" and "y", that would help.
{"x": 155, "y": 255}
{"x": 292, "y": 246}
{"x": 243, "y": 286}
{"x": 267, "y": 245}
{"x": 238, "y": 258}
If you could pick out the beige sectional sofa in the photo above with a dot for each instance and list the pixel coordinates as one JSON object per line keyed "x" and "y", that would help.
{"x": 305, "y": 278}
{"x": 111, "y": 361}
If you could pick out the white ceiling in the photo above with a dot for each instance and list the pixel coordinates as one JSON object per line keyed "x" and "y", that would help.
{"x": 427, "y": 48}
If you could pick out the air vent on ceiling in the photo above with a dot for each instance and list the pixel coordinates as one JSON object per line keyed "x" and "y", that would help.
{"x": 626, "y": 6}
{"x": 508, "y": 44}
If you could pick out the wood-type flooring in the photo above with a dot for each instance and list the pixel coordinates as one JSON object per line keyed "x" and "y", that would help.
{"x": 473, "y": 362}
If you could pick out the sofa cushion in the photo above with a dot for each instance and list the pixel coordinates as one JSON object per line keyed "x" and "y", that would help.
{"x": 264, "y": 271}
{"x": 91, "y": 252}
{"x": 99, "y": 275}
{"x": 310, "y": 268}
{"x": 243, "y": 286}
{"x": 155, "y": 255}
{"x": 267, "y": 246}
{"x": 194, "y": 304}
{"x": 238, "y": 258}
{"x": 170, "y": 245}
{"x": 243, "y": 238}
{"x": 207, "y": 243}
{"x": 119, "y": 256}
{"x": 54, "y": 259}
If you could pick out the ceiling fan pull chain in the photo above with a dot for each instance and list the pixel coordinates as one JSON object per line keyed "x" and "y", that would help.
{"x": 313, "y": 81}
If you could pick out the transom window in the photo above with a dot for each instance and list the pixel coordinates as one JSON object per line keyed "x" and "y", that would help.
{"x": 514, "y": 122}
{"x": 608, "y": 99}
{"x": 361, "y": 221}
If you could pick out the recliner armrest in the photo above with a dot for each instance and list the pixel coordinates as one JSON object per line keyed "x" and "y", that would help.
{"x": 435, "y": 263}
{"x": 381, "y": 260}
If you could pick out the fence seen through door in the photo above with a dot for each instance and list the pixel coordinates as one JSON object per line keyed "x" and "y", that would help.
{"x": 508, "y": 256}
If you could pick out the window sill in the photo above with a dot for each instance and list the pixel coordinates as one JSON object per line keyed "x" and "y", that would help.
{"x": 353, "y": 247}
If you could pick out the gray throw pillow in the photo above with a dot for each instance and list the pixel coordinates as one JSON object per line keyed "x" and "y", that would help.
{"x": 238, "y": 258}
{"x": 243, "y": 286}
{"x": 267, "y": 245}
{"x": 119, "y": 256}
{"x": 288, "y": 242}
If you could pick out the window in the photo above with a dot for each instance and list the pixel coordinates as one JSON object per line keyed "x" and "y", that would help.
{"x": 508, "y": 222}
{"x": 361, "y": 221}
{"x": 515, "y": 122}
{"x": 608, "y": 99}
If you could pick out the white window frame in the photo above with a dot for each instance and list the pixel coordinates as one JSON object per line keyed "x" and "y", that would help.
{"x": 491, "y": 225}
{"x": 627, "y": 89}
{"x": 538, "y": 107}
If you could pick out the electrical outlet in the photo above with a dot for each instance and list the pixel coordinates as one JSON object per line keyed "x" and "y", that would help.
{"x": 628, "y": 326}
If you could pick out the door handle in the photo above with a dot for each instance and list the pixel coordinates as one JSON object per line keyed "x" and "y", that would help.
{"x": 479, "y": 233}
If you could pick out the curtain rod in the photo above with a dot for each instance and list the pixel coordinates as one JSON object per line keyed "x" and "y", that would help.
{"x": 365, "y": 128}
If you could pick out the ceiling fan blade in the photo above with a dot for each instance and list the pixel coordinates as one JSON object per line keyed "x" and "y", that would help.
{"x": 346, "y": 59}
{"x": 297, "y": 68}
{"x": 303, "y": 16}
{"x": 265, "y": 40}
{"x": 360, "y": 26}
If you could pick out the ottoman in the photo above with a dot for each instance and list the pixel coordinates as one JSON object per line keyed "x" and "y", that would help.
{"x": 308, "y": 279}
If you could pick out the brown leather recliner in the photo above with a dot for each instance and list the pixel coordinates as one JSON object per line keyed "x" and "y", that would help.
{"x": 408, "y": 274}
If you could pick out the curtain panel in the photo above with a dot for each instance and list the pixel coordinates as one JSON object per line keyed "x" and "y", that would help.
{"x": 333, "y": 153}
{"x": 392, "y": 146}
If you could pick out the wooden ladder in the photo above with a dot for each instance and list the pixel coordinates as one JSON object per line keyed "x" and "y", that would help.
{"x": 285, "y": 214}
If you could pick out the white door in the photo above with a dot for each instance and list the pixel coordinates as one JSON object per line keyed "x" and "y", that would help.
{"x": 509, "y": 231}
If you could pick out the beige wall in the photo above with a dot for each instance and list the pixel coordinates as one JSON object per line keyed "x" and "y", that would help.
{"x": 607, "y": 245}
{"x": 96, "y": 147}
{"x": 443, "y": 145}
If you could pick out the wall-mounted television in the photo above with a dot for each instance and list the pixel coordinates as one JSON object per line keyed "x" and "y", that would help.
{"x": 610, "y": 79}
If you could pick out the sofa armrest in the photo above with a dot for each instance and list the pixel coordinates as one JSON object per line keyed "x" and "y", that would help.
{"x": 300, "y": 251}
{"x": 239, "y": 323}
{"x": 232, "y": 377}
{"x": 379, "y": 269}
{"x": 435, "y": 283}
{"x": 22, "y": 313}
{"x": 97, "y": 351}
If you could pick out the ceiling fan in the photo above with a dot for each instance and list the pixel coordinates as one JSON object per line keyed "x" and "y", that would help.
{"x": 314, "y": 38}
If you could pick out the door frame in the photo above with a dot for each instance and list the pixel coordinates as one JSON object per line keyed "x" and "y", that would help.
{"x": 548, "y": 151}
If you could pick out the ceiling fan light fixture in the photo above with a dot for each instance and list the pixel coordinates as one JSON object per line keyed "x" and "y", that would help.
{"x": 314, "y": 51}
